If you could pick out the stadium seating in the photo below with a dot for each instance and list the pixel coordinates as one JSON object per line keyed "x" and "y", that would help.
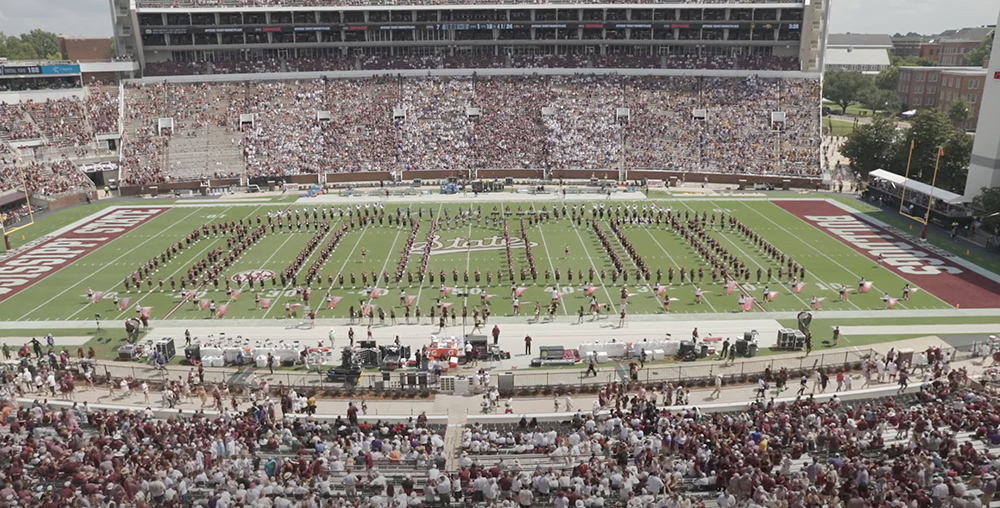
{"x": 932, "y": 447}
{"x": 320, "y": 3}
{"x": 531, "y": 122}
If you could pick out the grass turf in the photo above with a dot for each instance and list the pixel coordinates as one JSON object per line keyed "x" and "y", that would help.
{"x": 557, "y": 244}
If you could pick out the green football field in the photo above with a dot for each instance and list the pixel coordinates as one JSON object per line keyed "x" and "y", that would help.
{"x": 557, "y": 244}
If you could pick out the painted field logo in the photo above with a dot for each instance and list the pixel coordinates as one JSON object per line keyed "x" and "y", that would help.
{"x": 873, "y": 241}
{"x": 253, "y": 275}
{"x": 68, "y": 246}
{"x": 462, "y": 245}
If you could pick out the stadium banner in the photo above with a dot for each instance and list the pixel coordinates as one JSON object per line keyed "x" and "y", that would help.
{"x": 21, "y": 270}
{"x": 50, "y": 70}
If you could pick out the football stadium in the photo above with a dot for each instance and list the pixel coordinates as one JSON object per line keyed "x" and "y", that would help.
{"x": 308, "y": 253}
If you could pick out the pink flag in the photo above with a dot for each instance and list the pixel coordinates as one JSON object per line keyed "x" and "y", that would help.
{"x": 893, "y": 302}
{"x": 265, "y": 303}
{"x": 519, "y": 291}
{"x": 799, "y": 287}
{"x": 205, "y": 304}
{"x": 447, "y": 291}
{"x": 730, "y": 286}
{"x": 377, "y": 293}
{"x": 748, "y": 303}
{"x": 236, "y": 295}
{"x": 559, "y": 295}
{"x": 366, "y": 310}
{"x": 489, "y": 296}
{"x": 772, "y": 295}
{"x": 446, "y": 305}
{"x": 295, "y": 306}
{"x": 410, "y": 300}
{"x": 335, "y": 300}
{"x": 98, "y": 295}
{"x": 222, "y": 310}
{"x": 661, "y": 290}
{"x": 146, "y": 311}
{"x": 867, "y": 286}
{"x": 122, "y": 305}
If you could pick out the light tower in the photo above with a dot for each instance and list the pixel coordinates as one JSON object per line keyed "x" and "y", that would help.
{"x": 984, "y": 165}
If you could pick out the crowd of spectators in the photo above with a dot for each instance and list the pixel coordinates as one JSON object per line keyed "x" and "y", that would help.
{"x": 172, "y": 68}
{"x": 248, "y": 454}
{"x": 39, "y": 83}
{"x": 637, "y": 447}
{"x": 102, "y": 108}
{"x": 932, "y": 448}
{"x": 476, "y": 61}
{"x": 530, "y": 122}
{"x": 13, "y": 214}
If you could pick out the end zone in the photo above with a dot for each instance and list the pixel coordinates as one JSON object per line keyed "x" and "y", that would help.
{"x": 69, "y": 245}
{"x": 948, "y": 281}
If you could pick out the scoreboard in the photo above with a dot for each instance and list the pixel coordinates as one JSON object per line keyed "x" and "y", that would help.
{"x": 38, "y": 70}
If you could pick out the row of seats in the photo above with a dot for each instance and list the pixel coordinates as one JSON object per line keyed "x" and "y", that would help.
{"x": 540, "y": 123}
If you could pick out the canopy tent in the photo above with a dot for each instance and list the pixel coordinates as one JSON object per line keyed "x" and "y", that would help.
{"x": 910, "y": 112}
{"x": 912, "y": 185}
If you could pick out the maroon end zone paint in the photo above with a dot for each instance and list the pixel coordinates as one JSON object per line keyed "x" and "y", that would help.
{"x": 930, "y": 272}
{"x": 22, "y": 270}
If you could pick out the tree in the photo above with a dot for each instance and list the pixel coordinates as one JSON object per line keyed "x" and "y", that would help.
{"x": 888, "y": 79}
{"x": 16, "y": 49}
{"x": 911, "y": 61}
{"x": 45, "y": 43}
{"x": 959, "y": 112}
{"x": 929, "y": 130}
{"x": 877, "y": 99}
{"x": 954, "y": 168}
{"x": 981, "y": 53}
{"x": 873, "y": 145}
{"x": 844, "y": 87}
{"x": 988, "y": 204}
{"x": 35, "y": 45}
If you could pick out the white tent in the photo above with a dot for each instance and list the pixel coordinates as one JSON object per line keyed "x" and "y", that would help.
{"x": 912, "y": 185}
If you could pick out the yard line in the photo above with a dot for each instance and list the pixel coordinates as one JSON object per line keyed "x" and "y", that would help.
{"x": 814, "y": 248}
{"x": 468, "y": 263}
{"x": 420, "y": 288}
{"x": 263, "y": 266}
{"x": 586, "y": 251}
{"x": 386, "y": 265}
{"x": 553, "y": 267}
{"x": 350, "y": 255}
{"x": 808, "y": 305}
{"x": 751, "y": 258}
{"x": 643, "y": 279}
{"x": 95, "y": 272}
{"x": 284, "y": 289}
{"x": 179, "y": 270}
{"x": 671, "y": 258}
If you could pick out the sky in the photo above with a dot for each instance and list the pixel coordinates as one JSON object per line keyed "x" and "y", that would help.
{"x": 93, "y": 17}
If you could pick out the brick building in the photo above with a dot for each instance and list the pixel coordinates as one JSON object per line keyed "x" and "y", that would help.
{"x": 940, "y": 87}
{"x": 949, "y": 48}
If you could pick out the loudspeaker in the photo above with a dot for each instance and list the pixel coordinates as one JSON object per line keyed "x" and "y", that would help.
{"x": 166, "y": 348}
